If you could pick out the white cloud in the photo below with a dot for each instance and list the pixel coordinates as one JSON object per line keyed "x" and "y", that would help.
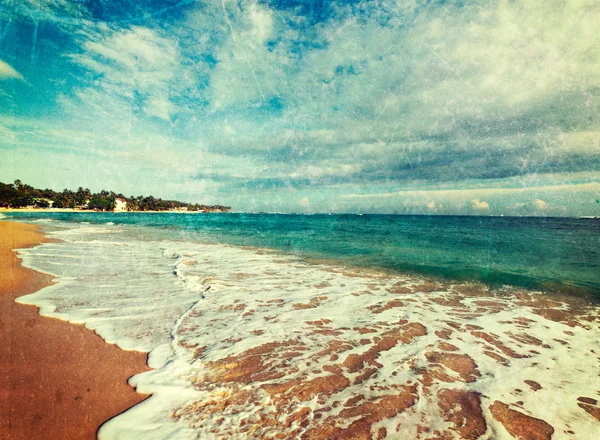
{"x": 540, "y": 204}
{"x": 159, "y": 107}
{"x": 505, "y": 57}
{"x": 304, "y": 202}
{"x": 538, "y": 207}
{"x": 481, "y": 192}
{"x": 434, "y": 207}
{"x": 480, "y": 205}
{"x": 8, "y": 72}
{"x": 262, "y": 23}
{"x": 6, "y": 134}
{"x": 247, "y": 72}
{"x": 136, "y": 64}
{"x": 57, "y": 11}
{"x": 456, "y": 72}
{"x": 581, "y": 142}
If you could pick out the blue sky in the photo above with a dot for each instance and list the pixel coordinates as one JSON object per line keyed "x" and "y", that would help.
{"x": 405, "y": 106}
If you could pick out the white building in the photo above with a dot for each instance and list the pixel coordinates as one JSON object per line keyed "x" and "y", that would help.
{"x": 120, "y": 205}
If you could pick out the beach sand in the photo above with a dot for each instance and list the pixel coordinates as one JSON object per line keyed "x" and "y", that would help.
{"x": 57, "y": 380}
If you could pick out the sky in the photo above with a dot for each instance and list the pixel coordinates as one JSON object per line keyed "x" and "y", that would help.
{"x": 382, "y": 106}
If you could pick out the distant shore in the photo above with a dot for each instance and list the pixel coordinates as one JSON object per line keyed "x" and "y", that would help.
{"x": 41, "y": 210}
{"x": 101, "y": 212}
{"x": 59, "y": 380}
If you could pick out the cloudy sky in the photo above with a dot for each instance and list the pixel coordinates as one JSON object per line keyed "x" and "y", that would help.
{"x": 400, "y": 106}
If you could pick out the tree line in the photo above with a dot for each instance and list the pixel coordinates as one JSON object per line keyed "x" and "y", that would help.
{"x": 20, "y": 195}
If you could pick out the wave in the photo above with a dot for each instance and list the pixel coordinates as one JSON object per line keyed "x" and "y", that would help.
{"x": 251, "y": 343}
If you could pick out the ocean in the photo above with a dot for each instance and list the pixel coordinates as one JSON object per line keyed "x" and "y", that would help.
{"x": 550, "y": 254}
{"x": 336, "y": 326}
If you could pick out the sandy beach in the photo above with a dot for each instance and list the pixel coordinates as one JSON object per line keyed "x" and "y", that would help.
{"x": 58, "y": 380}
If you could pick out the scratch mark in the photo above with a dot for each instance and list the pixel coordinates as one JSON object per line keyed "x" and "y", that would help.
{"x": 445, "y": 63}
{"x": 228, "y": 22}
{"x": 255, "y": 78}
{"x": 243, "y": 53}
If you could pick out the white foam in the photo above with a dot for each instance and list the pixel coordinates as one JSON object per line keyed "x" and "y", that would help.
{"x": 193, "y": 306}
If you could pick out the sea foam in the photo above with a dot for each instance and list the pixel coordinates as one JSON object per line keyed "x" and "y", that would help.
{"x": 249, "y": 343}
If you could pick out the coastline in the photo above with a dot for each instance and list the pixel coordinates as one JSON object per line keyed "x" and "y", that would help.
{"x": 59, "y": 380}
{"x": 86, "y": 211}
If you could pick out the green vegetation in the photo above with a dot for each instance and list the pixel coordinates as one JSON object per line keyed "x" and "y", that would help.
{"x": 19, "y": 195}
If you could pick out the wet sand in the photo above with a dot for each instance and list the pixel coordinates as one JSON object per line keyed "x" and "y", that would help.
{"x": 57, "y": 380}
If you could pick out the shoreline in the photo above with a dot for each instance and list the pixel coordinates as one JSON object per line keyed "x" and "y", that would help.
{"x": 569, "y": 289}
{"x": 91, "y": 211}
{"x": 59, "y": 380}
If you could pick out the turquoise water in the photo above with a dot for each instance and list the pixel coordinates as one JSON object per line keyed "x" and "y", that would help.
{"x": 551, "y": 254}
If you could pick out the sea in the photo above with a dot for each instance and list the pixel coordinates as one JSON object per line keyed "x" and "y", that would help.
{"x": 336, "y": 326}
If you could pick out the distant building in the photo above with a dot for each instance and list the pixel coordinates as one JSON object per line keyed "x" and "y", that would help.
{"x": 120, "y": 204}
